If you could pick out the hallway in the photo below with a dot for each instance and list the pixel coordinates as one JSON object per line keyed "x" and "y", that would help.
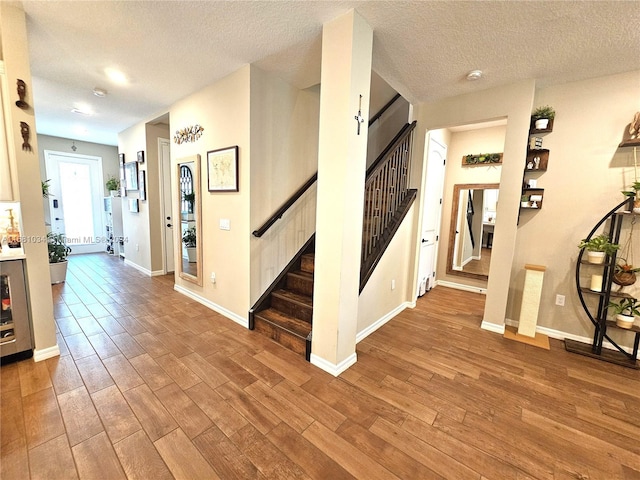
{"x": 152, "y": 385}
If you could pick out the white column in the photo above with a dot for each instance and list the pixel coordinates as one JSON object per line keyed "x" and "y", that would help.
{"x": 346, "y": 75}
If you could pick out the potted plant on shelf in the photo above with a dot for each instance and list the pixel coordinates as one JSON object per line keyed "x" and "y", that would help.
{"x": 624, "y": 274}
{"x": 189, "y": 240}
{"x": 58, "y": 252}
{"x": 113, "y": 185}
{"x": 597, "y": 247}
{"x": 635, "y": 194}
{"x": 542, "y": 115}
{"x": 190, "y": 198}
{"x": 625, "y": 311}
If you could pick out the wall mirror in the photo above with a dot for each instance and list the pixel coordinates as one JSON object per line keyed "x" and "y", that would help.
{"x": 190, "y": 231}
{"x": 473, "y": 218}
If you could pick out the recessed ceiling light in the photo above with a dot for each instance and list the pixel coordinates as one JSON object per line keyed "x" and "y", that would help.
{"x": 99, "y": 92}
{"x": 116, "y": 76}
{"x": 80, "y": 111}
{"x": 474, "y": 75}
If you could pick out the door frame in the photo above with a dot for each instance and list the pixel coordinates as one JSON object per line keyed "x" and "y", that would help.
{"x": 163, "y": 213}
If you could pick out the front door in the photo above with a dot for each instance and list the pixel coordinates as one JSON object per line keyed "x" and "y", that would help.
{"x": 167, "y": 220}
{"x": 76, "y": 199}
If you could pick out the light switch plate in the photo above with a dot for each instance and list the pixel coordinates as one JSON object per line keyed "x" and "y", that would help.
{"x": 225, "y": 224}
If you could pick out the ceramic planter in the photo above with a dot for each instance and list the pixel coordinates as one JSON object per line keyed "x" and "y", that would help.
{"x": 58, "y": 272}
{"x": 595, "y": 257}
{"x": 542, "y": 123}
{"x": 191, "y": 253}
{"x": 624, "y": 321}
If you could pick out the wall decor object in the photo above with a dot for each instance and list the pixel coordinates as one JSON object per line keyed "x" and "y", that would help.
{"x": 121, "y": 157}
{"x": 222, "y": 170}
{"x": 482, "y": 159}
{"x": 141, "y": 156}
{"x": 189, "y": 134}
{"x": 131, "y": 175}
{"x": 22, "y": 93}
{"x": 134, "y": 205}
{"x": 123, "y": 180}
{"x": 26, "y": 132}
{"x": 142, "y": 185}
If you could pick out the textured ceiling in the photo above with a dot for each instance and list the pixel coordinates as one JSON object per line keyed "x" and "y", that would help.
{"x": 169, "y": 49}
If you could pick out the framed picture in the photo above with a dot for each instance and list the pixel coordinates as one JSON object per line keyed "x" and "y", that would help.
{"x": 131, "y": 175}
{"x": 222, "y": 170}
{"x": 123, "y": 182}
{"x": 134, "y": 205}
{"x": 121, "y": 157}
{"x": 141, "y": 156}
{"x": 142, "y": 185}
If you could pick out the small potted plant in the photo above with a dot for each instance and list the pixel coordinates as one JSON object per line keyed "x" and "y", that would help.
{"x": 190, "y": 198}
{"x": 113, "y": 185}
{"x": 189, "y": 240}
{"x": 635, "y": 194}
{"x": 58, "y": 252}
{"x": 45, "y": 188}
{"x": 624, "y": 274}
{"x": 598, "y": 247}
{"x": 625, "y": 311}
{"x": 542, "y": 115}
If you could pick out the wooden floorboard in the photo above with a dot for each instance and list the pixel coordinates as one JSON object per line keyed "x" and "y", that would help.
{"x": 152, "y": 385}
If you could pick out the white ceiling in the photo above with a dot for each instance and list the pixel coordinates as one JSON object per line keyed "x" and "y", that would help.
{"x": 423, "y": 49}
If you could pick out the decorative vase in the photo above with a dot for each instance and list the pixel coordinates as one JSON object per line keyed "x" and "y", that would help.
{"x": 192, "y": 255}
{"x": 542, "y": 123}
{"x": 624, "y": 321}
{"x": 596, "y": 283}
{"x": 58, "y": 272}
{"x": 595, "y": 257}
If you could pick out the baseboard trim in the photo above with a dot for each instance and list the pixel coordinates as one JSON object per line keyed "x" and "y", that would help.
{"x": 332, "y": 368}
{"x": 49, "y": 352}
{"x": 157, "y": 273}
{"x": 559, "y": 335}
{"x": 492, "y": 327}
{"x": 460, "y": 286}
{"x": 213, "y": 306}
{"x": 382, "y": 320}
{"x": 146, "y": 271}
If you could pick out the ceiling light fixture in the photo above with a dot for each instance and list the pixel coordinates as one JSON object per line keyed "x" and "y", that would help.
{"x": 80, "y": 112}
{"x": 474, "y": 75}
{"x": 116, "y": 76}
{"x": 99, "y": 92}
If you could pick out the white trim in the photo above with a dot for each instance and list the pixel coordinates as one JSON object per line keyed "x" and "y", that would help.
{"x": 331, "y": 368}
{"x": 559, "y": 335}
{"x": 157, "y": 273}
{"x": 49, "y": 352}
{"x": 492, "y": 327}
{"x": 382, "y": 320}
{"x": 213, "y": 306}
{"x": 460, "y": 286}
{"x": 146, "y": 271}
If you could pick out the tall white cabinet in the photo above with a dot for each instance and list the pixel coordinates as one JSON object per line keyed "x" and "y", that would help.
{"x": 113, "y": 222}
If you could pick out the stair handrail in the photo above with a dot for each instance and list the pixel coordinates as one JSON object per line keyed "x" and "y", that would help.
{"x": 384, "y": 109}
{"x": 285, "y": 206}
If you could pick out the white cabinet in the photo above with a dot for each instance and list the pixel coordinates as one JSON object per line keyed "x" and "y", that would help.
{"x": 113, "y": 222}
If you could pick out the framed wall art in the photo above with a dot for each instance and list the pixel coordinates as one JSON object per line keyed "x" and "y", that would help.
{"x": 141, "y": 156}
{"x": 134, "y": 205}
{"x": 142, "y": 185}
{"x": 131, "y": 175}
{"x": 222, "y": 170}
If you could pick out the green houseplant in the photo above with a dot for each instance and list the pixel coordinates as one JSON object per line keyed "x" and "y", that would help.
{"x": 542, "y": 115}
{"x": 624, "y": 311}
{"x": 113, "y": 185}
{"x": 45, "y": 188}
{"x": 190, "y": 198}
{"x": 598, "y": 247}
{"x": 58, "y": 252}
{"x": 189, "y": 240}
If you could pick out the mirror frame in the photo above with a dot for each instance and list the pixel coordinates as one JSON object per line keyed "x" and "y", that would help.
{"x": 454, "y": 221}
{"x": 197, "y": 216}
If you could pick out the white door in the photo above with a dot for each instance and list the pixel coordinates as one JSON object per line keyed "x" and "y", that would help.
{"x": 165, "y": 198}
{"x": 432, "y": 211}
{"x": 75, "y": 202}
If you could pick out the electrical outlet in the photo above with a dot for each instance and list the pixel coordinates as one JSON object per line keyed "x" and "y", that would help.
{"x": 213, "y": 277}
{"x": 560, "y": 300}
{"x": 393, "y": 284}
{"x": 137, "y": 247}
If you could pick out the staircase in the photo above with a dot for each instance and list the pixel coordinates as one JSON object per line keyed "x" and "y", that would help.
{"x": 285, "y": 314}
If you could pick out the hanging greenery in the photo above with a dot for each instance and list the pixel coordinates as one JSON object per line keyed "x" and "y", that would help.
{"x": 482, "y": 159}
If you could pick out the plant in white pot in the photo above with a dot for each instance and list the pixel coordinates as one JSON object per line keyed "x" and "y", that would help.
{"x": 598, "y": 247}
{"x": 189, "y": 240}
{"x": 625, "y": 311}
{"x": 113, "y": 185}
{"x": 542, "y": 115}
{"x": 635, "y": 194}
{"x": 58, "y": 252}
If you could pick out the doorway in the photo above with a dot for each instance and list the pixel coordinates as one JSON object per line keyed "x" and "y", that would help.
{"x": 168, "y": 254}
{"x": 75, "y": 202}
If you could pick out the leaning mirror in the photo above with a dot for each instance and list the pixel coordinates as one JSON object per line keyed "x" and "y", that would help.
{"x": 473, "y": 218}
{"x": 189, "y": 233}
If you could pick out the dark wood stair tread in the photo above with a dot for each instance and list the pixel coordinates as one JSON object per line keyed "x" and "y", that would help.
{"x": 295, "y": 326}
{"x": 301, "y": 274}
{"x": 303, "y": 300}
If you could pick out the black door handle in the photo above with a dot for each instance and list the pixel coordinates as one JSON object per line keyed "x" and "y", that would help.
{"x": 424, "y": 241}
{"x": 168, "y": 218}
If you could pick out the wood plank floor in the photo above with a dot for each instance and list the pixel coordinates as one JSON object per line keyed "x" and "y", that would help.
{"x": 151, "y": 385}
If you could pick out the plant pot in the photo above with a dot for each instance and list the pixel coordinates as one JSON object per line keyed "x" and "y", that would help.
{"x": 595, "y": 257}
{"x": 636, "y": 206}
{"x": 542, "y": 123}
{"x": 114, "y": 193}
{"x": 58, "y": 272}
{"x": 192, "y": 255}
{"x": 624, "y": 321}
{"x": 624, "y": 279}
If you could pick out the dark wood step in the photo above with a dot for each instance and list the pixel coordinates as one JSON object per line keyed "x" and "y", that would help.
{"x": 308, "y": 262}
{"x": 292, "y": 303}
{"x": 300, "y": 282}
{"x": 288, "y": 331}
